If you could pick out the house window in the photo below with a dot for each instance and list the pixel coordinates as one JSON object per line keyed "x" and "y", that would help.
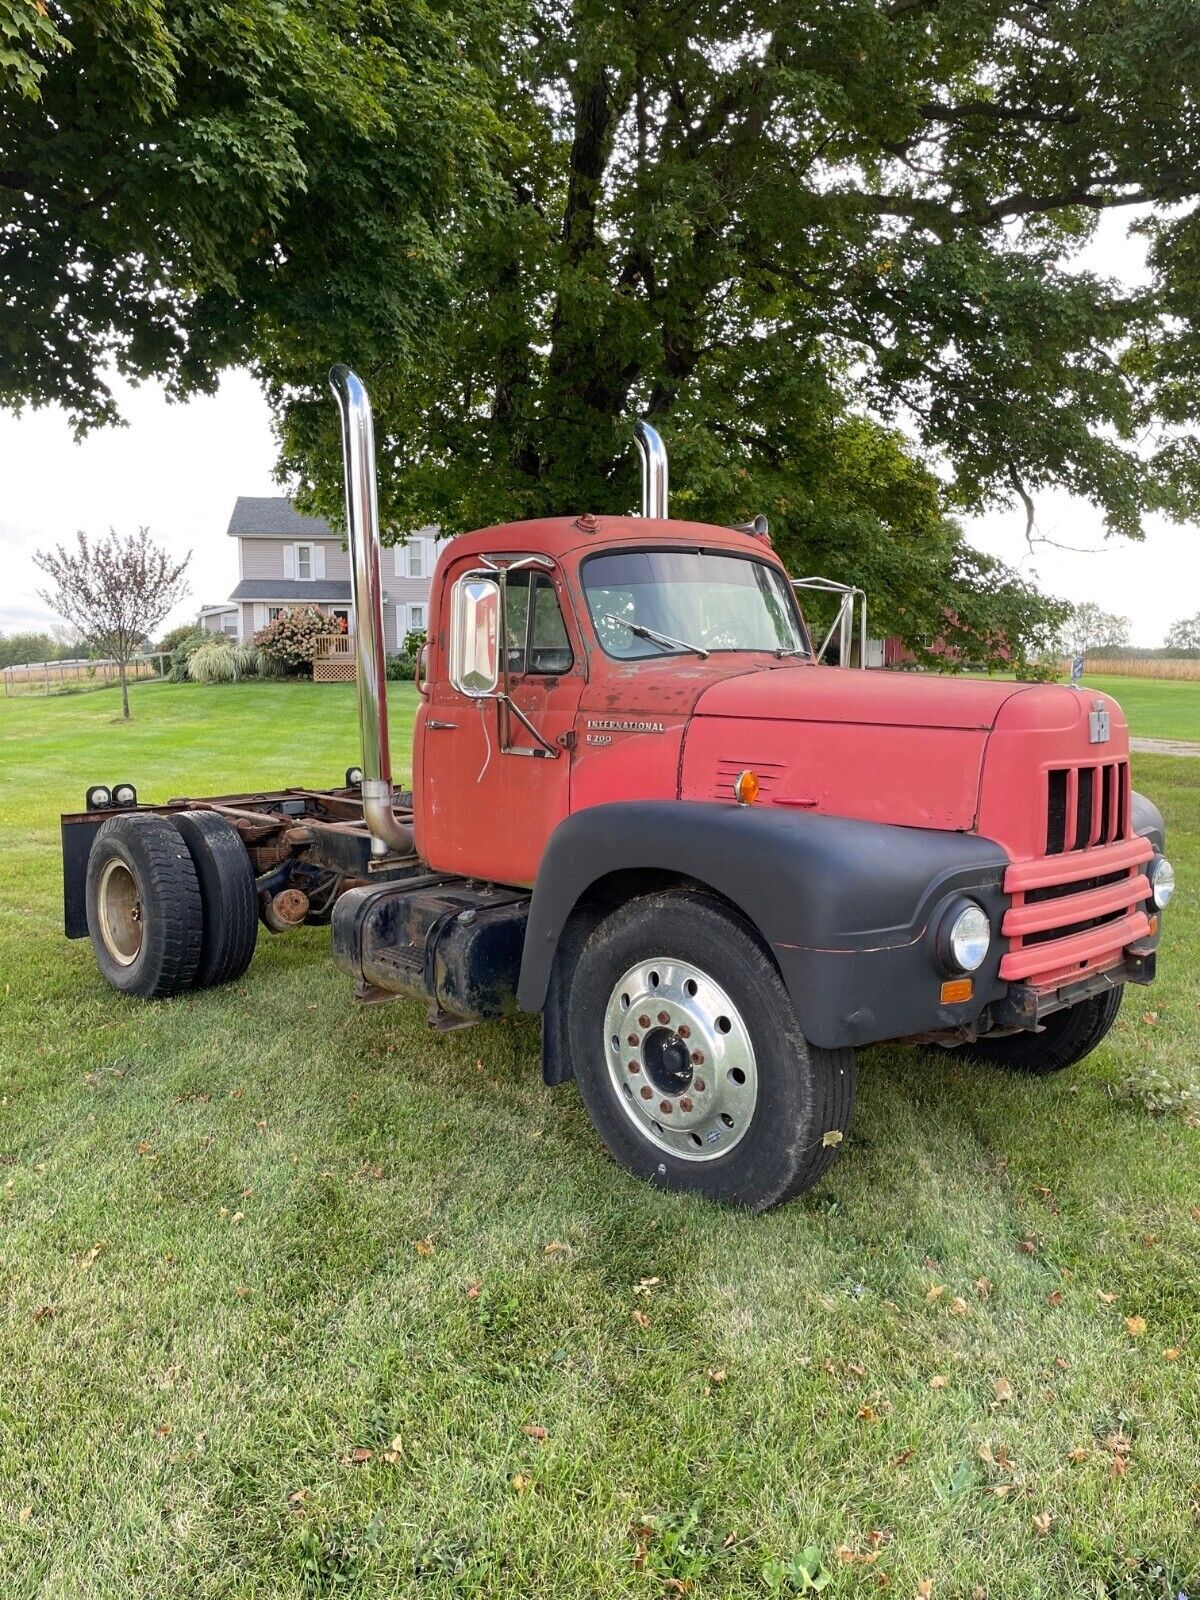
{"x": 416, "y": 564}
{"x": 273, "y": 612}
{"x": 304, "y": 561}
{"x": 230, "y": 627}
{"x": 416, "y": 618}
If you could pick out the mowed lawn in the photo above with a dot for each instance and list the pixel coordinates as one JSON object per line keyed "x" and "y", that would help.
{"x": 1155, "y": 708}
{"x": 302, "y": 1299}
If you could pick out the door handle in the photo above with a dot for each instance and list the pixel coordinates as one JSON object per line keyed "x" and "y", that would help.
{"x": 435, "y": 726}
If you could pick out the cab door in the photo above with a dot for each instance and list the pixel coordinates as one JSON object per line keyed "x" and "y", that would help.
{"x": 495, "y": 768}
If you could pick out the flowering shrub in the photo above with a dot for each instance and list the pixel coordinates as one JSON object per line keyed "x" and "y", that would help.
{"x": 290, "y": 642}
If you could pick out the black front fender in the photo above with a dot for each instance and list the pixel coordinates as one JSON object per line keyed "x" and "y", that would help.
{"x": 848, "y": 908}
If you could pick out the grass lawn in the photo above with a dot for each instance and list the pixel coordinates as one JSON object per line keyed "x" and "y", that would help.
{"x": 1155, "y": 708}
{"x": 293, "y": 1289}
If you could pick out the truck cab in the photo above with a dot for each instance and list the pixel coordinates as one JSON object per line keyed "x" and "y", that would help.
{"x": 643, "y": 809}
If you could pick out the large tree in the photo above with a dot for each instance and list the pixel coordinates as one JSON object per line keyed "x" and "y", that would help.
{"x": 828, "y": 249}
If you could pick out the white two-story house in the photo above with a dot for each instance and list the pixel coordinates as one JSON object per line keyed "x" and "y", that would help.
{"x": 285, "y": 559}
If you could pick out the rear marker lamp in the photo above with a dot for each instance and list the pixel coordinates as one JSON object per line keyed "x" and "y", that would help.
{"x": 1162, "y": 881}
{"x": 124, "y": 794}
{"x": 99, "y": 797}
{"x": 745, "y": 788}
{"x": 354, "y": 776}
{"x": 964, "y": 937}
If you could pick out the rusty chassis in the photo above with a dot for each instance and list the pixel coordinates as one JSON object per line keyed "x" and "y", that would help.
{"x": 307, "y": 847}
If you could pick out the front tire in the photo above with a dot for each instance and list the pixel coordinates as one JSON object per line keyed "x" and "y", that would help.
{"x": 1067, "y": 1037}
{"x": 143, "y": 906}
{"x": 690, "y": 1060}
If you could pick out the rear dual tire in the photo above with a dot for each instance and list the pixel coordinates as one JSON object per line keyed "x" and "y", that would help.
{"x": 170, "y": 903}
{"x": 740, "y": 1108}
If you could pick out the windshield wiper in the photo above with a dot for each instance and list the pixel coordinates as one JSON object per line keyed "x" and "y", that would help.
{"x": 794, "y": 650}
{"x": 643, "y": 632}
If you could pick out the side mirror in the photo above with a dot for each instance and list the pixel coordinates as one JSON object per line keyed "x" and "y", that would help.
{"x": 475, "y": 635}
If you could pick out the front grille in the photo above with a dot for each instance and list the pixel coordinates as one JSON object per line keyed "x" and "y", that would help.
{"x": 1073, "y": 913}
{"x": 1086, "y": 806}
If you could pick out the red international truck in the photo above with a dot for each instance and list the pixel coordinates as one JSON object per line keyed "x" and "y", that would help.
{"x": 642, "y": 810}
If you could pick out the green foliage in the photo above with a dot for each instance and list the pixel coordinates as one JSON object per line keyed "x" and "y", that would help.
{"x": 212, "y": 183}
{"x": 290, "y": 642}
{"x": 1184, "y": 634}
{"x": 805, "y": 1573}
{"x": 18, "y": 648}
{"x": 222, "y": 660}
{"x": 183, "y": 644}
{"x": 1087, "y": 627}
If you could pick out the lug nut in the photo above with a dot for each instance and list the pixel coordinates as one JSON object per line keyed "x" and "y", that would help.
{"x": 635, "y": 1066}
{"x": 647, "y": 1092}
{"x": 684, "y": 1031}
{"x": 685, "y": 1104}
{"x": 634, "y": 1040}
{"x": 697, "y": 1058}
{"x": 643, "y": 1022}
{"x": 664, "y": 1017}
{"x": 665, "y": 1107}
{"x": 698, "y": 1085}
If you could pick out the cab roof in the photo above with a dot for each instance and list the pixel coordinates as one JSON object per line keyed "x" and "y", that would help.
{"x": 561, "y": 536}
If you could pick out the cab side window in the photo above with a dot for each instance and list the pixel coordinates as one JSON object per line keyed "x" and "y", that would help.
{"x": 538, "y": 644}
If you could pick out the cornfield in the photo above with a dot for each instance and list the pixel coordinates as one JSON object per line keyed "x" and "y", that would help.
{"x": 1143, "y": 667}
{"x": 68, "y": 677}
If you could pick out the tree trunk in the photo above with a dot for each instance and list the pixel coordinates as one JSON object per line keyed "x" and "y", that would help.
{"x": 121, "y": 665}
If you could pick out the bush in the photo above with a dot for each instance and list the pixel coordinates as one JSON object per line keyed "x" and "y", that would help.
{"x": 403, "y": 666}
{"x": 290, "y": 642}
{"x": 222, "y": 660}
{"x": 189, "y": 640}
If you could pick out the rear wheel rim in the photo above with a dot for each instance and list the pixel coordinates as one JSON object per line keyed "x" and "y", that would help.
{"x": 120, "y": 907}
{"x": 680, "y": 1059}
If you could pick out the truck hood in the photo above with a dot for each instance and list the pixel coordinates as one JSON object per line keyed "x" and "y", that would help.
{"x": 895, "y": 699}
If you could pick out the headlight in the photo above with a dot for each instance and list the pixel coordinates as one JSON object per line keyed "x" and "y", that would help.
{"x": 1162, "y": 880}
{"x": 124, "y": 794}
{"x": 966, "y": 936}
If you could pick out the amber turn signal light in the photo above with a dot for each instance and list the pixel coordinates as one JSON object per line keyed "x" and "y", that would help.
{"x": 745, "y": 788}
{"x": 957, "y": 990}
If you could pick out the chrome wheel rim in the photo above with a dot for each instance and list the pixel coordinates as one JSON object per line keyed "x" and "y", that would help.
{"x": 120, "y": 910}
{"x": 680, "y": 1059}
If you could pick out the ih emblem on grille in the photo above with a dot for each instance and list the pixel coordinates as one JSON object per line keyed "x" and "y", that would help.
{"x": 1098, "y": 726}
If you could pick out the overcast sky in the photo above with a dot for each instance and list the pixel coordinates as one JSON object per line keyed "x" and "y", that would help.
{"x": 178, "y": 469}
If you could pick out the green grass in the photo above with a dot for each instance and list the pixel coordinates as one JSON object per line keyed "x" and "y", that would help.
{"x": 1155, "y": 708}
{"x": 210, "y": 1214}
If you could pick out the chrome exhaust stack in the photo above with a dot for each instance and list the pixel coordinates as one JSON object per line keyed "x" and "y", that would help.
{"x": 654, "y": 469}
{"x": 388, "y": 834}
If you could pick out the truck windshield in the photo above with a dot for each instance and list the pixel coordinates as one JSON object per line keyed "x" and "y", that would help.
{"x": 699, "y": 600}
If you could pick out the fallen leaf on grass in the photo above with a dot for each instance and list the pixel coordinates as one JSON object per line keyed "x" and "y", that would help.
{"x": 24, "y": 1515}
{"x": 935, "y": 1291}
{"x": 904, "y": 1457}
{"x": 939, "y": 1382}
{"x": 472, "y": 1290}
{"x": 716, "y": 1374}
{"x": 984, "y": 1285}
{"x": 360, "y": 1455}
{"x": 297, "y": 1498}
{"x": 44, "y": 1313}
{"x": 1078, "y": 1455}
{"x": 958, "y": 1306}
{"x": 1150, "y": 1018}
{"x": 1135, "y": 1326}
{"x": 1002, "y": 1389}
{"x": 394, "y": 1451}
{"x": 644, "y": 1285}
{"x": 1105, "y": 1299}
{"x": 833, "y": 1136}
{"x": 642, "y": 1320}
{"x": 554, "y": 1248}
{"x": 89, "y": 1257}
{"x": 520, "y": 1482}
{"x": 1172, "y": 1354}
{"x": 241, "y": 1290}
{"x": 1054, "y": 1298}
{"x": 1118, "y": 1466}
{"x": 867, "y": 1414}
{"x": 533, "y": 1431}
{"x": 924, "y": 1589}
{"x": 1028, "y": 1245}
{"x": 424, "y": 1247}
{"x": 1043, "y": 1521}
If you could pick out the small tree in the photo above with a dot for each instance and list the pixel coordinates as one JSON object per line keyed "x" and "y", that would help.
{"x": 1184, "y": 634}
{"x": 115, "y": 591}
